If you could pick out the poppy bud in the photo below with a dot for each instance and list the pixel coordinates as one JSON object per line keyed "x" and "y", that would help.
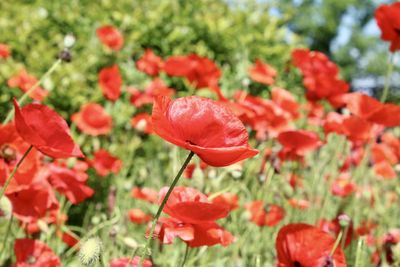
{"x": 5, "y": 208}
{"x": 130, "y": 242}
{"x": 344, "y": 220}
{"x": 69, "y": 40}
{"x": 65, "y": 55}
{"x": 90, "y": 251}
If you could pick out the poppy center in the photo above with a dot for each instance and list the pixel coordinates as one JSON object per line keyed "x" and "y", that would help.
{"x": 328, "y": 262}
{"x": 296, "y": 264}
{"x": 8, "y": 153}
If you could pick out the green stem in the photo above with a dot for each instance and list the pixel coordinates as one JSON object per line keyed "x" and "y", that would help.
{"x": 337, "y": 242}
{"x": 3, "y": 247}
{"x": 387, "y": 79}
{"x": 3, "y": 190}
{"x": 359, "y": 253}
{"x": 27, "y": 93}
{"x": 186, "y": 256}
{"x": 155, "y": 220}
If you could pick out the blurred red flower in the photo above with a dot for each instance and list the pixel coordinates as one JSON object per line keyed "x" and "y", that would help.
{"x": 201, "y": 72}
{"x": 388, "y": 20}
{"x": 203, "y": 126}
{"x": 265, "y": 215}
{"x": 305, "y": 245}
{"x": 149, "y": 63}
{"x": 342, "y": 186}
{"x": 145, "y": 193}
{"x": 110, "y": 37}
{"x": 69, "y": 182}
{"x": 138, "y": 216}
{"x": 142, "y": 123}
{"x": 93, "y": 120}
{"x": 34, "y": 253}
{"x": 25, "y": 82}
{"x": 4, "y": 51}
{"x": 297, "y": 143}
{"x": 155, "y": 88}
{"x": 124, "y": 262}
{"x": 110, "y": 82}
{"x": 44, "y": 129}
{"x": 230, "y": 200}
{"x": 104, "y": 163}
{"x": 262, "y": 72}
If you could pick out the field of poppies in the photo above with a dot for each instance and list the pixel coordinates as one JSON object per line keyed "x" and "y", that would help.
{"x": 167, "y": 154}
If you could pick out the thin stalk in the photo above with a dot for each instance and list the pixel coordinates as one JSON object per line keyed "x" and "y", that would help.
{"x": 359, "y": 252}
{"x": 155, "y": 220}
{"x": 3, "y": 189}
{"x": 387, "y": 79}
{"x": 27, "y": 93}
{"x": 337, "y": 242}
{"x": 185, "y": 257}
{"x": 3, "y": 247}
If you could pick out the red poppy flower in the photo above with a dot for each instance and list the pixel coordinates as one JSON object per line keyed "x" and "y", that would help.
{"x": 286, "y": 101}
{"x": 47, "y": 131}
{"x": 138, "y": 216}
{"x": 300, "y": 204}
{"x": 34, "y": 253}
{"x": 321, "y": 76}
{"x": 70, "y": 183}
{"x": 149, "y": 63}
{"x": 92, "y": 119}
{"x": 228, "y": 199}
{"x": 263, "y": 73}
{"x": 372, "y": 110}
{"x": 387, "y": 18}
{"x": 142, "y": 123}
{"x": 195, "y": 235}
{"x": 110, "y": 82}
{"x": 69, "y": 239}
{"x": 385, "y": 170}
{"x": 155, "y": 88}
{"x": 105, "y": 163}
{"x": 25, "y": 82}
{"x": 12, "y": 148}
{"x": 4, "y": 51}
{"x": 203, "y": 126}
{"x": 124, "y": 262}
{"x": 110, "y": 37}
{"x": 343, "y": 186}
{"x": 201, "y": 72}
{"x": 297, "y": 143}
{"x": 333, "y": 228}
{"x": 265, "y": 215}
{"x": 188, "y": 173}
{"x": 191, "y": 206}
{"x": 34, "y": 202}
{"x": 145, "y": 193}
{"x": 303, "y": 245}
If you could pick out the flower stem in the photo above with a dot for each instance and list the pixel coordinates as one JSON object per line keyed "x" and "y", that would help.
{"x": 27, "y": 93}
{"x": 3, "y": 247}
{"x": 3, "y": 190}
{"x": 387, "y": 79}
{"x": 164, "y": 201}
{"x": 336, "y": 245}
{"x": 186, "y": 256}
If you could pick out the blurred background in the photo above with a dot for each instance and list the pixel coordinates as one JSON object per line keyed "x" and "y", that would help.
{"x": 232, "y": 32}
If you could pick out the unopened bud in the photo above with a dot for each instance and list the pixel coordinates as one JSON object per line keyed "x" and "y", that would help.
{"x": 90, "y": 251}
{"x": 69, "y": 40}
{"x": 344, "y": 220}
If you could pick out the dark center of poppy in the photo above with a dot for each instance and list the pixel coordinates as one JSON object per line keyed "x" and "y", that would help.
{"x": 328, "y": 262}
{"x": 296, "y": 264}
{"x": 8, "y": 153}
{"x": 31, "y": 260}
{"x": 397, "y": 31}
